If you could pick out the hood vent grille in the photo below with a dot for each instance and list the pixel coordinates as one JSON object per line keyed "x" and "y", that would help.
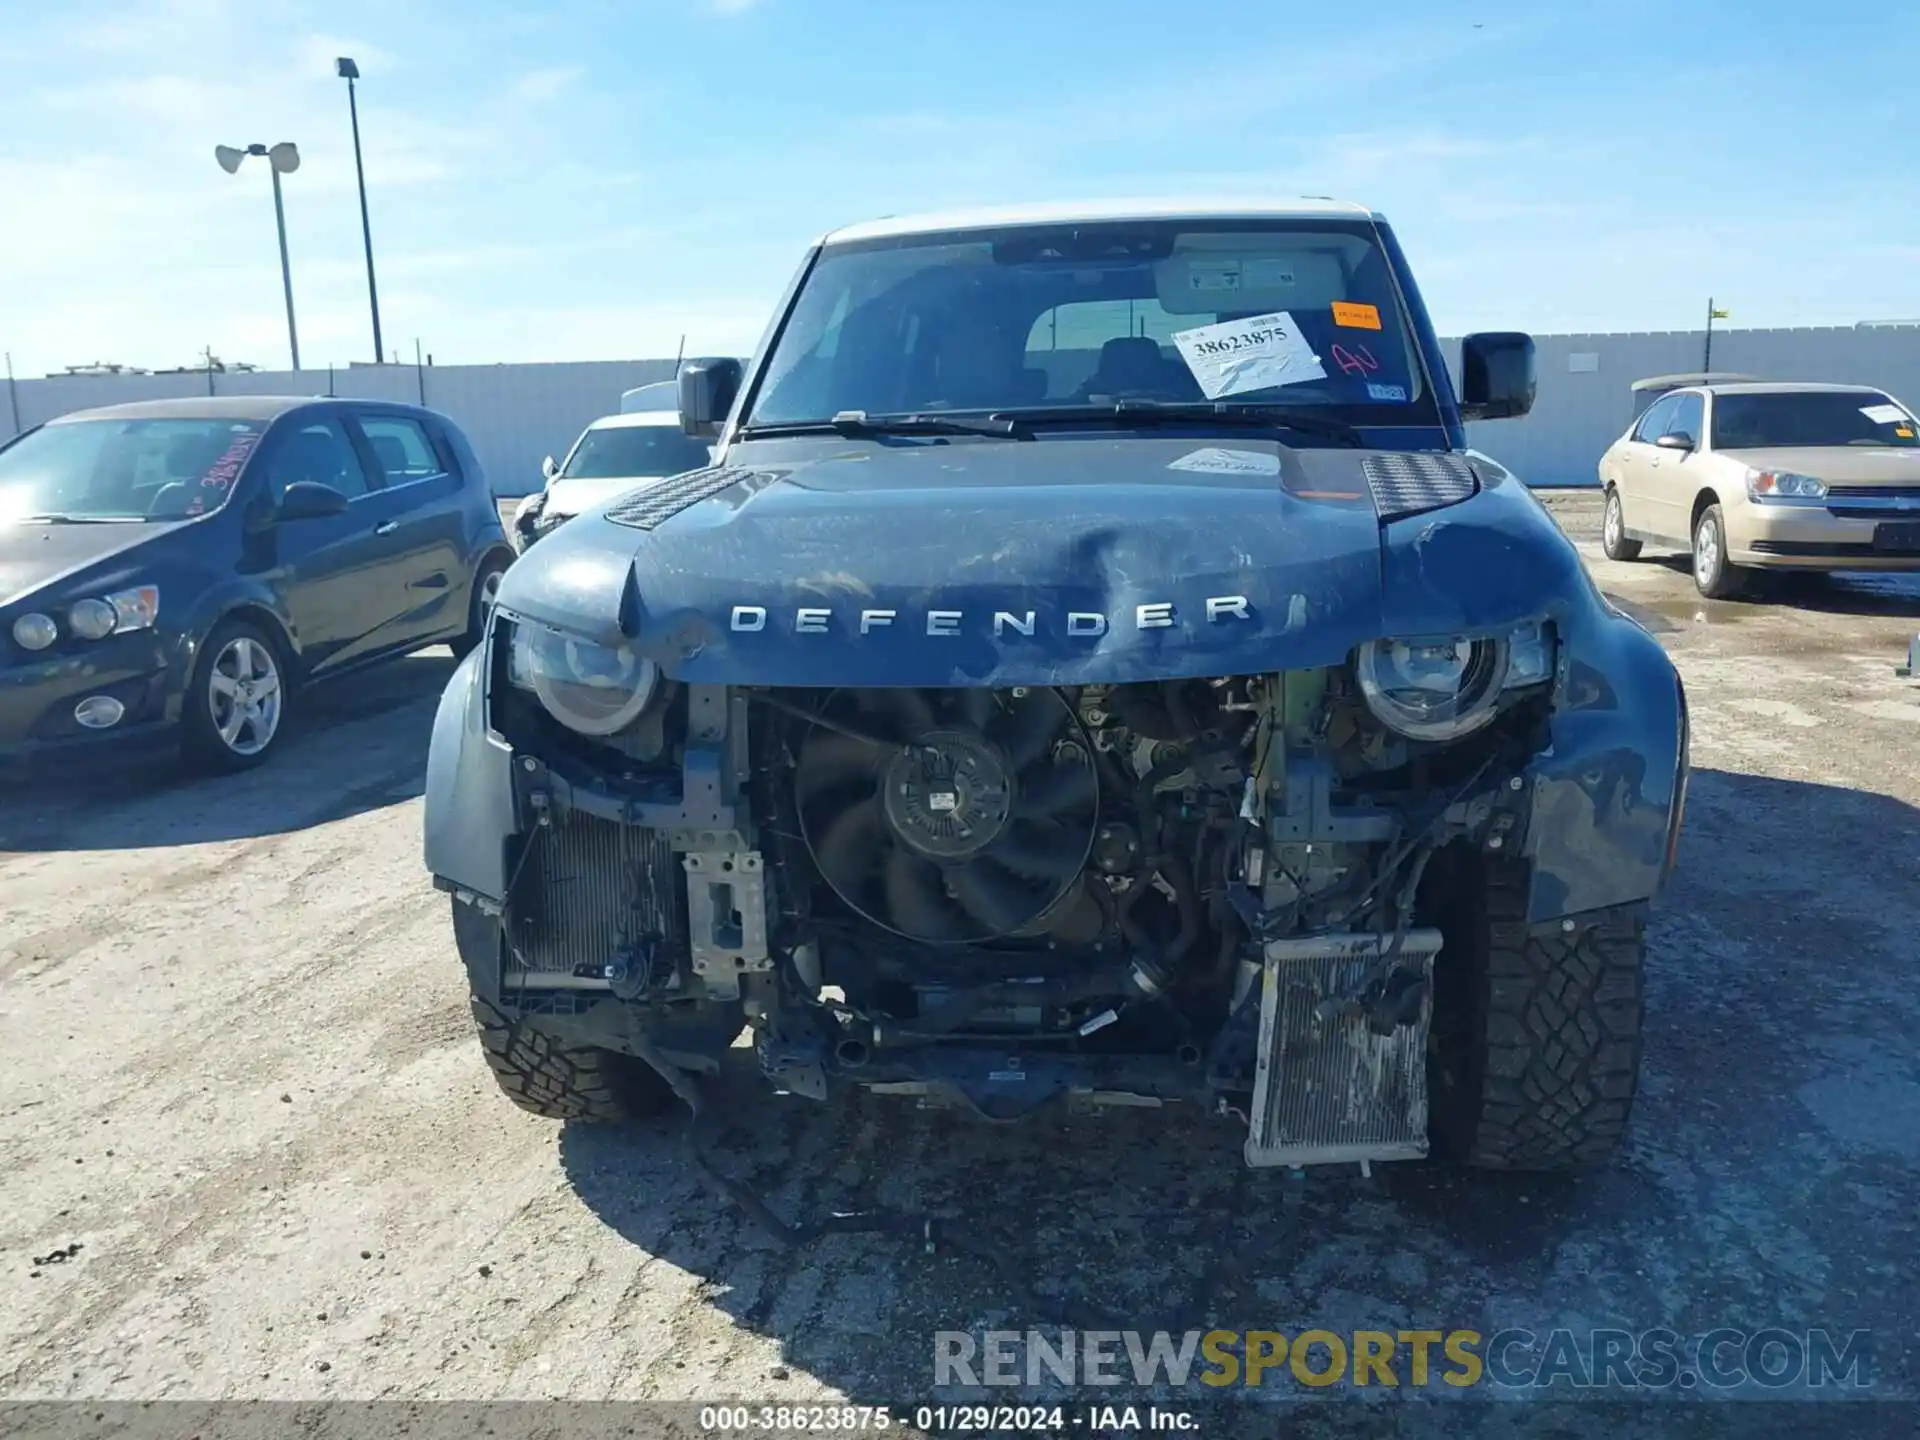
{"x": 1407, "y": 484}
{"x": 656, "y": 504}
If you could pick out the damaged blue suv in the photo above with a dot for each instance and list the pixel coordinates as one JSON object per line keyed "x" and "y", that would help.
{"x": 1093, "y": 669}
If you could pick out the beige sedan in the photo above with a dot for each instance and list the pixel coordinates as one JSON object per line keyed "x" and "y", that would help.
{"x": 1765, "y": 476}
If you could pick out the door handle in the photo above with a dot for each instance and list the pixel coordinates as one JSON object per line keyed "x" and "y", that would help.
{"x": 386, "y": 527}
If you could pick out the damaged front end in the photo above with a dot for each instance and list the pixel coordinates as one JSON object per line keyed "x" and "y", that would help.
{"x": 1244, "y": 892}
{"x": 1205, "y": 890}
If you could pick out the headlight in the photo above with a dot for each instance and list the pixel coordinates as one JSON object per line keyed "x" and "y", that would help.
{"x": 36, "y": 631}
{"x": 1432, "y": 689}
{"x": 1784, "y": 485}
{"x": 1446, "y": 687}
{"x": 594, "y": 689}
{"x": 91, "y": 619}
{"x": 133, "y": 609}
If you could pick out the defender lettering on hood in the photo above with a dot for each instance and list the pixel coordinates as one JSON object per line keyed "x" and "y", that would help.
{"x": 1154, "y": 615}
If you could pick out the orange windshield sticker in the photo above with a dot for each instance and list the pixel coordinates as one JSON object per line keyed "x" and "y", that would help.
{"x": 1355, "y": 316}
{"x": 1903, "y": 432}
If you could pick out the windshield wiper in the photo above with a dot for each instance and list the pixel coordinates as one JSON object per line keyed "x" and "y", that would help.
{"x": 859, "y": 423}
{"x": 1221, "y": 412}
{"x": 56, "y": 519}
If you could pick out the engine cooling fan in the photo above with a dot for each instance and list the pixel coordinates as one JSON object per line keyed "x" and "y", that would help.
{"x": 969, "y": 823}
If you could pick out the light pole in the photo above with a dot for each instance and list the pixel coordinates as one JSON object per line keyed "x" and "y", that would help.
{"x": 281, "y": 159}
{"x": 350, "y": 72}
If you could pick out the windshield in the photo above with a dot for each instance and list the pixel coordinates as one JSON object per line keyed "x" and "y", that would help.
{"x": 1296, "y": 312}
{"x": 1810, "y": 417}
{"x": 124, "y": 469}
{"x": 618, "y": 451}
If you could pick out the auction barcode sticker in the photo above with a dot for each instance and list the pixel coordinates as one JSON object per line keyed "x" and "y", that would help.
{"x": 1252, "y": 354}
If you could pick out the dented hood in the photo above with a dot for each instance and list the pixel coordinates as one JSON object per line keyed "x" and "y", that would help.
{"x": 1062, "y": 560}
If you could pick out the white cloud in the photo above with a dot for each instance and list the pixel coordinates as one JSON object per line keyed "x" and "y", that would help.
{"x": 531, "y": 200}
{"x": 550, "y": 83}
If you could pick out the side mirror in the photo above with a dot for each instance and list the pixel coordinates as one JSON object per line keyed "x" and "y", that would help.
{"x": 707, "y": 391}
{"x": 548, "y": 469}
{"x": 1677, "y": 440}
{"x": 1499, "y": 375}
{"x": 308, "y": 500}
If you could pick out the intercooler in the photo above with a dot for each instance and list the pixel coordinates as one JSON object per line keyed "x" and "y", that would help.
{"x": 593, "y": 891}
{"x": 1327, "y": 1088}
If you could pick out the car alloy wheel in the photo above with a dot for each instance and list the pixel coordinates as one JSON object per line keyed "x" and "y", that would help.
{"x": 244, "y": 695}
{"x": 1614, "y": 543}
{"x": 1706, "y": 552}
{"x": 490, "y": 589}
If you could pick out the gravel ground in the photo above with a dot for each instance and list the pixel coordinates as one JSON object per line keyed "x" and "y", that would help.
{"x": 241, "y": 1082}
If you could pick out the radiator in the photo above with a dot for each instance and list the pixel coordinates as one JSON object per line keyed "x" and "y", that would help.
{"x": 1326, "y": 1088}
{"x": 593, "y": 890}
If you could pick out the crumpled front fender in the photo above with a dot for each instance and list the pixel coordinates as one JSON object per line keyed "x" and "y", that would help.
{"x": 470, "y": 805}
{"x": 1608, "y": 793}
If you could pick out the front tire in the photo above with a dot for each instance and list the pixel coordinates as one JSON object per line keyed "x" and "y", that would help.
{"x": 1538, "y": 1034}
{"x": 1714, "y": 575}
{"x": 556, "y": 1081}
{"x": 237, "y": 700}
{"x": 1613, "y": 530}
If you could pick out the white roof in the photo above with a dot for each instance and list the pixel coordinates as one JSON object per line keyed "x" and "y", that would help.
{"x": 636, "y": 417}
{"x": 1066, "y": 212}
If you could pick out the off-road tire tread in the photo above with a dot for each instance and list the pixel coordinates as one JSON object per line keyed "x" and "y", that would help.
{"x": 1561, "y": 1018}
{"x": 565, "y": 1082}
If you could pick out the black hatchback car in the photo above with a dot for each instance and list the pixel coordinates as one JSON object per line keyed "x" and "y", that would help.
{"x": 179, "y": 569}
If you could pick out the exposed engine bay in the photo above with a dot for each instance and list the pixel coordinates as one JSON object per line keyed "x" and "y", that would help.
{"x": 1232, "y": 890}
{"x": 1111, "y": 870}
{"x": 1026, "y": 861}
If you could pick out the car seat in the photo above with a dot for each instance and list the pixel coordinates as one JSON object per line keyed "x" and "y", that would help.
{"x": 312, "y": 456}
{"x": 1134, "y": 365}
{"x": 391, "y": 454}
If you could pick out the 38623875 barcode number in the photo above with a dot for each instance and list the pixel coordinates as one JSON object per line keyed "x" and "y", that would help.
{"x": 795, "y": 1419}
{"x": 1228, "y": 344}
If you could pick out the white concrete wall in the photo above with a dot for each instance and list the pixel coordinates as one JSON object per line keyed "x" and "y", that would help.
{"x": 513, "y": 414}
{"x": 516, "y": 414}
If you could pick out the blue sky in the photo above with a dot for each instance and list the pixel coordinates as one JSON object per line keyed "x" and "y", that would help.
{"x": 589, "y": 179}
